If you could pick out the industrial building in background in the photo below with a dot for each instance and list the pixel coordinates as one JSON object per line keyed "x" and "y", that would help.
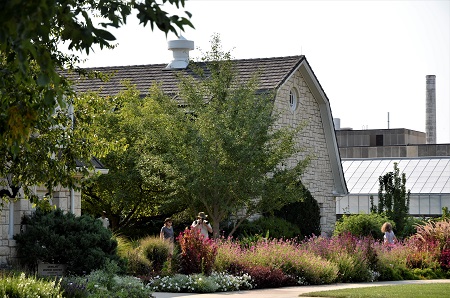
{"x": 368, "y": 154}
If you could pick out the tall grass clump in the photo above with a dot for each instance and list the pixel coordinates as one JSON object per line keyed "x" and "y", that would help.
{"x": 136, "y": 263}
{"x": 155, "y": 250}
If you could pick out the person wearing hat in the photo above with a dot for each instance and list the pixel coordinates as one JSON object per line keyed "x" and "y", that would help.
{"x": 104, "y": 220}
{"x": 167, "y": 234}
{"x": 202, "y": 225}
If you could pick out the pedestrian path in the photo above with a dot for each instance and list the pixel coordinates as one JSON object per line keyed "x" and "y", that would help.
{"x": 293, "y": 292}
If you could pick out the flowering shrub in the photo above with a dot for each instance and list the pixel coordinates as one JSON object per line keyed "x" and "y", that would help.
{"x": 354, "y": 256}
{"x": 266, "y": 277}
{"x": 22, "y": 286}
{"x": 199, "y": 283}
{"x": 197, "y": 253}
{"x": 285, "y": 255}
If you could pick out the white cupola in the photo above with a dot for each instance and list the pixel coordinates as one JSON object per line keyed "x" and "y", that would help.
{"x": 180, "y": 49}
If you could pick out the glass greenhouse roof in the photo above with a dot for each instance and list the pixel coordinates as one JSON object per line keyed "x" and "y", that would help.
{"x": 423, "y": 175}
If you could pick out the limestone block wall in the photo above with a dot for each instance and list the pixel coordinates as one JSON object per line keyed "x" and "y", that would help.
{"x": 318, "y": 176}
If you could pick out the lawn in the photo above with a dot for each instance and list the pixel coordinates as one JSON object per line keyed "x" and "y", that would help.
{"x": 436, "y": 290}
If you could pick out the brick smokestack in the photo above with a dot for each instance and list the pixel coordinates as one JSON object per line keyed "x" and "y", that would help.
{"x": 430, "y": 124}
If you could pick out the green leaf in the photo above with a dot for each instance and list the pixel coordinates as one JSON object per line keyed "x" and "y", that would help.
{"x": 43, "y": 79}
{"x": 104, "y": 34}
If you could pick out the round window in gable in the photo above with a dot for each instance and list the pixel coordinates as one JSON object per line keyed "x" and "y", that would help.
{"x": 293, "y": 99}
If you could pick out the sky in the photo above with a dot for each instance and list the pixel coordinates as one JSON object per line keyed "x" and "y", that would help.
{"x": 371, "y": 57}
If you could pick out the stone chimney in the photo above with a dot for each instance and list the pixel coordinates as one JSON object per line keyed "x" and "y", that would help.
{"x": 430, "y": 118}
{"x": 180, "y": 49}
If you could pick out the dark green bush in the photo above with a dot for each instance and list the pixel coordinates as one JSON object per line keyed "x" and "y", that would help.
{"x": 63, "y": 238}
{"x": 361, "y": 225}
{"x": 272, "y": 226}
{"x": 305, "y": 214}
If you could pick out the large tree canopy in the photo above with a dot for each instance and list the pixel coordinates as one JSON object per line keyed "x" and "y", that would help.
{"x": 30, "y": 32}
{"x": 141, "y": 181}
{"x": 234, "y": 158}
{"x": 216, "y": 150}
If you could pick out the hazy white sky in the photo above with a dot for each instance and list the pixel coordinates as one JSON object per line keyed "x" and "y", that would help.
{"x": 371, "y": 57}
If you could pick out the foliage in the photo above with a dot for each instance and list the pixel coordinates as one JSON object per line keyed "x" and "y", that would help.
{"x": 199, "y": 283}
{"x": 30, "y": 34}
{"x": 233, "y": 160}
{"x": 411, "y": 224}
{"x": 59, "y": 151}
{"x": 22, "y": 286}
{"x": 354, "y": 256}
{"x": 80, "y": 242}
{"x": 286, "y": 255}
{"x": 155, "y": 250}
{"x": 444, "y": 259}
{"x": 141, "y": 181}
{"x": 197, "y": 253}
{"x": 272, "y": 226}
{"x": 305, "y": 214}
{"x": 361, "y": 225}
{"x": 393, "y": 199}
{"x": 432, "y": 231}
{"x": 266, "y": 277}
{"x": 105, "y": 283}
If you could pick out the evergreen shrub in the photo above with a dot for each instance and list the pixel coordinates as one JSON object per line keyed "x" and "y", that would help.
{"x": 272, "y": 227}
{"x": 305, "y": 214}
{"x": 80, "y": 242}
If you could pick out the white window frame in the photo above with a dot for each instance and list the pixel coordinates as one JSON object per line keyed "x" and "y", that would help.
{"x": 293, "y": 99}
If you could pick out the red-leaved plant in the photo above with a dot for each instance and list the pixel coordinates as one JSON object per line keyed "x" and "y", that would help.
{"x": 444, "y": 259}
{"x": 197, "y": 253}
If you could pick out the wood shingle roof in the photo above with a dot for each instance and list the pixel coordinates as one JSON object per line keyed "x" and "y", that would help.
{"x": 272, "y": 73}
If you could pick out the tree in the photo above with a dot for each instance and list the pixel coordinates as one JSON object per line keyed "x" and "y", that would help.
{"x": 232, "y": 160}
{"x": 141, "y": 181}
{"x": 393, "y": 199}
{"x": 57, "y": 154}
{"x": 32, "y": 83}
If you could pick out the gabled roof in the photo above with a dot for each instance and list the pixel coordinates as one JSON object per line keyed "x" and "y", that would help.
{"x": 272, "y": 73}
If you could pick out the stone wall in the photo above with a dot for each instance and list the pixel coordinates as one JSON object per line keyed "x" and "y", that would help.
{"x": 318, "y": 176}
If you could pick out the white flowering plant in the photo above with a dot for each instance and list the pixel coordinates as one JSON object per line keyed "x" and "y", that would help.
{"x": 199, "y": 283}
{"x": 29, "y": 286}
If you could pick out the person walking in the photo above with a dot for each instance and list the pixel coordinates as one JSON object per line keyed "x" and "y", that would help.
{"x": 104, "y": 220}
{"x": 167, "y": 234}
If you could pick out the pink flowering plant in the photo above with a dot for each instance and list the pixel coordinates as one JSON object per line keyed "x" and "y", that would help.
{"x": 197, "y": 253}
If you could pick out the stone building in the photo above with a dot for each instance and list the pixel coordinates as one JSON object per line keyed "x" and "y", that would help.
{"x": 299, "y": 96}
